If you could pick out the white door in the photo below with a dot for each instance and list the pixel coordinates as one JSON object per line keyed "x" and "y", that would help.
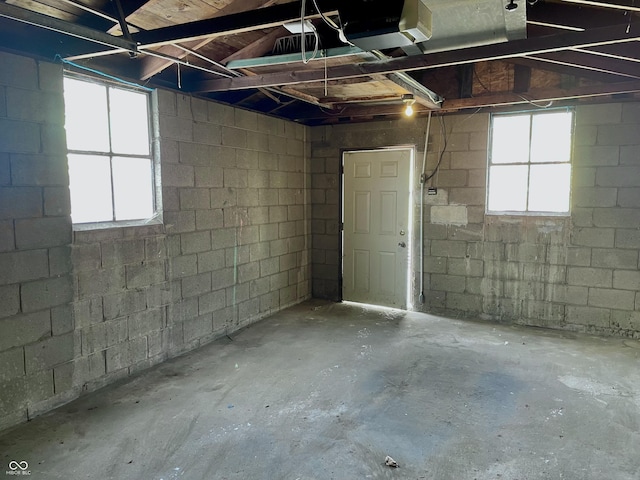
{"x": 376, "y": 227}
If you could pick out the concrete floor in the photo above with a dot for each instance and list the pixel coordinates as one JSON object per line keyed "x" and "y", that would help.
{"x": 326, "y": 391}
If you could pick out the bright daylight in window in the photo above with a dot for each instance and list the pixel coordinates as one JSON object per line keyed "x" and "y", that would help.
{"x": 530, "y": 163}
{"x": 109, "y": 152}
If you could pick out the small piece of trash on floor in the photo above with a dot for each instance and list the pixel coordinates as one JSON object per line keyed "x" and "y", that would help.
{"x": 390, "y": 462}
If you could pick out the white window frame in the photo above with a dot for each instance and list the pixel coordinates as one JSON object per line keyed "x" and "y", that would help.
{"x": 529, "y": 163}
{"x": 156, "y": 190}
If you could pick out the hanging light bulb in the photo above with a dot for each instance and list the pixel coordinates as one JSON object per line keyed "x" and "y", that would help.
{"x": 408, "y": 100}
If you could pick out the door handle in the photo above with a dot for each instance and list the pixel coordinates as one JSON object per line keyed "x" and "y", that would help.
{"x": 402, "y": 244}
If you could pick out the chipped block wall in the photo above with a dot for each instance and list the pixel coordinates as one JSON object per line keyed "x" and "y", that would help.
{"x": 579, "y": 272}
{"x": 81, "y": 309}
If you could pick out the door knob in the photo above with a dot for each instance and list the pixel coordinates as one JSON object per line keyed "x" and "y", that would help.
{"x": 402, "y": 244}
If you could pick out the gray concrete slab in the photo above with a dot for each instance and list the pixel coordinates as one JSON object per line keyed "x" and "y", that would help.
{"x": 326, "y": 391}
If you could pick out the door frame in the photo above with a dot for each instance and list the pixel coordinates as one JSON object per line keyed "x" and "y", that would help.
{"x": 410, "y": 213}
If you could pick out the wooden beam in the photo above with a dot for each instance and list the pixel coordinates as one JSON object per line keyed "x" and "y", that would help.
{"x": 151, "y": 66}
{"x": 595, "y": 63}
{"x": 521, "y": 78}
{"x": 245, "y": 21}
{"x": 258, "y": 48}
{"x": 500, "y": 51}
{"x": 542, "y": 96}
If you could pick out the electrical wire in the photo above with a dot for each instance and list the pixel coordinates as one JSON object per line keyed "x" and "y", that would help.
{"x": 303, "y": 37}
{"x": 326, "y": 19}
{"x": 443, "y": 133}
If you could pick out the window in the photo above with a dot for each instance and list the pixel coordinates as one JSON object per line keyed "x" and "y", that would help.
{"x": 111, "y": 168}
{"x": 530, "y": 163}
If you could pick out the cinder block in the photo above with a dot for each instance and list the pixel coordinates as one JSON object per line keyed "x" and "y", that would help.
{"x": 211, "y": 302}
{"x": 609, "y": 298}
{"x": 448, "y": 283}
{"x": 235, "y": 216}
{"x": 629, "y": 197}
{"x": 629, "y": 155}
{"x": 223, "y": 197}
{"x": 448, "y": 248}
{"x": 593, "y": 237}
{"x": 57, "y": 201}
{"x": 180, "y": 222}
{"x": 208, "y": 133}
{"x": 16, "y": 267}
{"x": 596, "y": 156}
{"x": 237, "y": 294}
{"x": 43, "y": 232}
{"x": 48, "y": 353}
{"x": 628, "y": 238}
{"x": 223, "y": 238}
{"x": 20, "y": 202}
{"x": 87, "y": 312}
{"x": 102, "y": 335}
{"x": 196, "y": 285}
{"x": 259, "y": 251}
{"x": 625, "y": 320}
{"x": 463, "y": 266}
{"x": 195, "y": 242}
{"x": 234, "y": 137}
{"x": 198, "y": 327}
{"x": 7, "y": 241}
{"x": 53, "y": 139}
{"x": 223, "y": 278}
{"x": 502, "y": 270}
{"x": 249, "y": 198}
{"x": 178, "y": 311}
{"x": 209, "y": 219}
{"x": 248, "y": 310}
{"x": 146, "y": 322}
{"x": 614, "y": 258}
{"x": 623, "y": 134}
{"x": 525, "y": 253}
{"x": 122, "y": 252}
{"x": 182, "y": 266}
{"x": 125, "y": 354}
{"x": 616, "y": 217}
{"x": 176, "y": 128}
{"x": 123, "y": 304}
{"x": 258, "y": 215}
{"x": 258, "y": 178}
{"x": 626, "y": 280}
{"x": 194, "y": 198}
{"x": 174, "y": 175}
{"x": 47, "y": 293}
{"x": 590, "y": 277}
{"x": 620, "y": 176}
{"x": 39, "y": 170}
{"x": 268, "y": 232}
{"x": 257, "y": 142}
{"x": 610, "y": 113}
{"x": 463, "y": 302}
{"x": 288, "y": 261}
{"x": 268, "y": 196}
{"x": 211, "y": 261}
{"x": 594, "y": 197}
{"x": 62, "y": 320}
{"x": 21, "y": 330}
{"x": 259, "y": 287}
{"x": 208, "y": 176}
{"x": 235, "y": 178}
{"x": 567, "y": 294}
{"x": 145, "y": 274}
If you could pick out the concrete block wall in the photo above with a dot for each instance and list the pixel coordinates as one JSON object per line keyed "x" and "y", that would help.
{"x": 81, "y": 309}
{"x": 37, "y": 336}
{"x": 579, "y": 272}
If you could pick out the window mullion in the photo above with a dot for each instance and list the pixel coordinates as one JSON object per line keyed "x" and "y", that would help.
{"x": 113, "y": 192}
{"x": 529, "y": 162}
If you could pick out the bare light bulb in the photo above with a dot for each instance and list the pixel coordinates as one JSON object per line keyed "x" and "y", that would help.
{"x": 409, "y": 110}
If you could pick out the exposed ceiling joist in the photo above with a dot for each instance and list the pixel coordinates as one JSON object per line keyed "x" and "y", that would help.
{"x": 581, "y": 59}
{"x": 230, "y": 24}
{"x": 501, "y": 51}
{"x": 68, "y": 28}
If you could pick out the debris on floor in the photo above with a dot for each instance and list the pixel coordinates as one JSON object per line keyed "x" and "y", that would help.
{"x": 390, "y": 462}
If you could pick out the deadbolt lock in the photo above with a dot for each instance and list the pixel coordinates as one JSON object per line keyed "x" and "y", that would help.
{"x": 401, "y": 232}
{"x": 402, "y": 244}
